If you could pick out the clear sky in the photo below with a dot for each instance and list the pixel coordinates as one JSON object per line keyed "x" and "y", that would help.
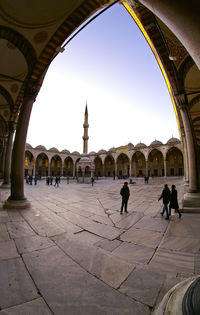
{"x": 110, "y": 65}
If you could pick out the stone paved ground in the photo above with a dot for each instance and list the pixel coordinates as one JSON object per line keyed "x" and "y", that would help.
{"x": 73, "y": 253}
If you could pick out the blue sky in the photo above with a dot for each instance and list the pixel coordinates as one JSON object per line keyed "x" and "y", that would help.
{"x": 109, "y": 65}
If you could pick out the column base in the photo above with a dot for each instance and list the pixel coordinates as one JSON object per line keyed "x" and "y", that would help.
{"x": 16, "y": 204}
{"x": 191, "y": 202}
{"x": 173, "y": 300}
{"x": 5, "y": 186}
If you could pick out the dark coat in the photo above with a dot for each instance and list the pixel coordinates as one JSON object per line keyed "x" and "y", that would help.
{"x": 125, "y": 193}
{"x": 166, "y": 195}
{"x": 174, "y": 202}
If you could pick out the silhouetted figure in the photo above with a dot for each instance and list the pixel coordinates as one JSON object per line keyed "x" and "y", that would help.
{"x": 67, "y": 179}
{"x": 35, "y": 180}
{"x": 47, "y": 180}
{"x": 56, "y": 181}
{"x": 174, "y": 201}
{"x": 166, "y": 195}
{"x": 125, "y": 193}
{"x": 92, "y": 181}
{"x": 51, "y": 180}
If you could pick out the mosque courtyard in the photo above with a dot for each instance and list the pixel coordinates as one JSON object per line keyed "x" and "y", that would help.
{"x": 73, "y": 253}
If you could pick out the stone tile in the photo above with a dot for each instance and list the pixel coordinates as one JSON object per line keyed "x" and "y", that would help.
{"x": 108, "y": 245}
{"x": 102, "y": 230}
{"x": 143, "y": 285}
{"x": 68, "y": 289}
{"x": 16, "y": 286}
{"x": 32, "y": 243}
{"x": 182, "y": 244}
{"x": 8, "y": 250}
{"x": 188, "y": 226}
{"x": 19, "y": 229}
{"x": 172, "y": 261}
{"x": 152, "y": 224}
{"x": 128, "y": 221}
{"x": 4, "y": 236}
{"x": 37, "y": 306}
{"x": 142, "y": 237}
{"x": 102, "y": 219}
{"x": 109, "y": 269}
{"x": 87, "y": 237}
{"x": 134, "y": 253}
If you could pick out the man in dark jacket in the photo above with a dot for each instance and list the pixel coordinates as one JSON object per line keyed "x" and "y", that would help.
{"x": 166, "y": 199}
{"x": 125, "y": 193}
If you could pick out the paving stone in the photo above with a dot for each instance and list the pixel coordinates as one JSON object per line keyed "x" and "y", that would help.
{"x": 142, "y": 237}
{"x": 152, "y": 224}
{"x": 182, "y": 244}
{"x": 108, "y": 245}
{"x": 37, "y": 306}
{"x": 8, "y": 250}
{"x": 101, "y": 219}
{"x": 16, "y": 286}
{"x": 4, "y": 236}
{"x": 106, "y": 267}
{"x": 68, "y": 289}
{"x": 87, "y": 237}
{"x": 143, "y": 285}
{"x": 19, "y": 229}
{"x": 130, "y": 220}
{"x": 134, "y": 253}
{"x": 188, "y": 226}
{"x": 31, "y": 243}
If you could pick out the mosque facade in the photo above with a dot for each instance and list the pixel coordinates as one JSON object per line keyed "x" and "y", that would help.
{"x": 126, "y": 161}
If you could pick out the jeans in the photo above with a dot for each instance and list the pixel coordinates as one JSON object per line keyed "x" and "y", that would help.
{"x": 124, "y": 204}
{"x": 165, "y": 208}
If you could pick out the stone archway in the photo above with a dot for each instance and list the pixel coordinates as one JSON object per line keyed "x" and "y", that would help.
{"x": 123, "y": 165}
{"x": 155, "y": 163}
{"x": 109, "y": 166}
{"x": 98, "y": 167}
{"x": 68, "y": 167}
{"x": 174, "y": 162}
{"x": 138, "y": 164}
{"x": 29, "y": 164}
{"x": 41, "y": 165}
{"x": 56, "y": 166}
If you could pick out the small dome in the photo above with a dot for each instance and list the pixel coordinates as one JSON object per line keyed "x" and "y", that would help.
{"x": 130, "y": 146}
{"x": 41, "y": 148}
{"x": 76, "y": 152}
{"x": 54, "y": 150}
{"x": 102, "y": 151}
{"x": 156, "y": 143}
{"x": 92, "y": 153}
{"x": 112, "y": 150}
{"x": 140, "y": 145}
{"x": 65, "y": 151}
{"x": 85, "y": 159}
{"x": 29, "y": 146}
{"x": 173, "y": 140}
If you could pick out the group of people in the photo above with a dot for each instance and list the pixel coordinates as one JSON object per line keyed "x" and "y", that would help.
{"x": 169, "y": 197}
{"x": 146, "y": 179}
{"x": 49, "y": 181}
{"x": 29, "y": 180}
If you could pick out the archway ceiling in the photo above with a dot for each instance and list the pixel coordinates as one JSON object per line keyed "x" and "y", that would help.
{"x": 31, "y": 31}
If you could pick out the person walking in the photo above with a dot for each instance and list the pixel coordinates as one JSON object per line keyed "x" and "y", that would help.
{"x": 92, "y": 181}
{"x": 174, "y": 201}
{"x": 56, "y": 182}
{"x": 166, "y": 195}
{"x": 125, "y": 193}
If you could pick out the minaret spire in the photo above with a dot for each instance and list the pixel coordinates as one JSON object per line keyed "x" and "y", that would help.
{"x": 85, "y": 135}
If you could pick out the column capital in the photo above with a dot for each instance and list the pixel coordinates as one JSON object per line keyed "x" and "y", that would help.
{"x": 182, "y": 101}
{"x": 11, "y": 126}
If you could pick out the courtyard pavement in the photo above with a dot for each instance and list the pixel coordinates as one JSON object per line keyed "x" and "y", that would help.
{"x": 73, "y": 253}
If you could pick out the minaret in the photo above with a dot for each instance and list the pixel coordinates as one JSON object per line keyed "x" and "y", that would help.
{"x": 85, "y": 136}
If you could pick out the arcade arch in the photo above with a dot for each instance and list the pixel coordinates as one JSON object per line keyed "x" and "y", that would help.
{"x": 109, "y": 166}
{"x": 138, "y": 164}
{"x": 98, "y": 166}
{"x": 174, "y": 162}
{"x": 29, "y": 164}
{"x": 123, "y": 166}
{"x": 56, "y": 166}
{"x": 41, "y": 165}
{"x": 155, "y": 163}
{"x": 68, "y": 167}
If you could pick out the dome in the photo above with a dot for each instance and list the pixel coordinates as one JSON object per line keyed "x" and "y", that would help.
{"x": 130, "y": 146}
{"x": 112, "y": 150}
{"x": 92, "y": 153}
{"x": 54, "y": 150}
{"x": 140, "y": 145}
{"x": 41, "y": 148}
{"x": 65, "y": 151}
{"x": 156, "y": 143}
{"x": 102, "y": 151}
{"x": 85, "y": 159}
{"x": 29, "y": 146}
{"x": 173, "y": 140}
{"x": 76, "y": 152}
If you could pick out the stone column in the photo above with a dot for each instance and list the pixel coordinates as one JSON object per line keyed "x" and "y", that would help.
{"x": 165, "y": 167}
{"x": 182, "y": 18}
{"x": 185, "y": 160}
{"x": 130, "y": 170}
{"x": 74, "y": 169}
{"x": 103, "y": 169}
{"x": 3, "y": 156}
{"x": 116, "y": 174}
{"x": 17, "y": 199}
{"x": 6, "y": 181}
{"x": 34, "y": 169}
{"x": 146, "y": 167}
{"x": 49, "y": 168}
